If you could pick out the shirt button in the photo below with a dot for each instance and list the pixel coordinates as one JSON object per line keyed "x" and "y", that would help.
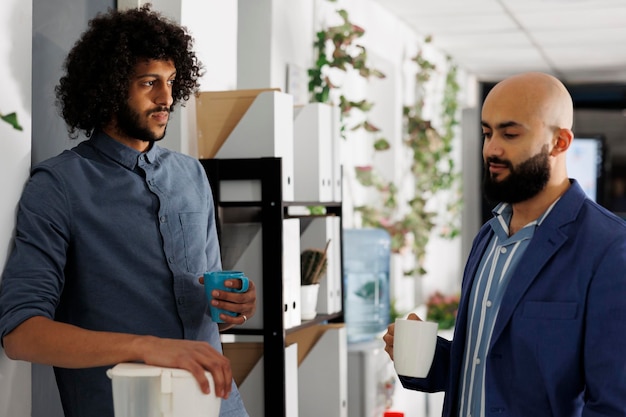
{"x": 170, "y": 260}
{"x": 488, "y": 303}
{"x": 163, "y": 219}
{"x": 477, "y": 361}
{"x": 502, "y": 250}
{"x": 181, "y": 300}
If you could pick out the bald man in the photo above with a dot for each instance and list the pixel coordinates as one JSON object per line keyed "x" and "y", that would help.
{"x": 541, "y": 327}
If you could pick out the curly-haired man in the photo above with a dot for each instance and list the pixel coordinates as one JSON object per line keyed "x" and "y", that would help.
{"x": 113, "y": 235}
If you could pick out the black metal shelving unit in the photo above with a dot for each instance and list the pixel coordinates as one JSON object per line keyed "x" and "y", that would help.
{"x": 270, "y": 211}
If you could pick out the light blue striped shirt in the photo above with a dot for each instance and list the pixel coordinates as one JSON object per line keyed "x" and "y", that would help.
{"x": 495, "y": 270}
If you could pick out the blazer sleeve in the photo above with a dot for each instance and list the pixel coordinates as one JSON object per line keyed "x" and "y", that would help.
{"x": 437, "y": 378}
{"x": 605, "y": 330}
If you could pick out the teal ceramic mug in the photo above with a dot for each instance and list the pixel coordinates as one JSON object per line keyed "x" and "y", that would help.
{"x": 215, "y": 281}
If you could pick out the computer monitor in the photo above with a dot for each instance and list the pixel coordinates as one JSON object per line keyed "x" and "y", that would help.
{"x": 586, "y": 158}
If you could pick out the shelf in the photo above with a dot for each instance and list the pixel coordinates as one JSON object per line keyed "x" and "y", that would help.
{"x": 260, "y": 200}
{"x": 319, "y": 319}
{"x": 312, "y": 203}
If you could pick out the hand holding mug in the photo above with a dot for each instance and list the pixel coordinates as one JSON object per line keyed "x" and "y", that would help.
{"x": 217, "y": 281}
{"x": 411, "y": 344}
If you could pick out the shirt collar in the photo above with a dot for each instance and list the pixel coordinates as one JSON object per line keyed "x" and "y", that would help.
{"x": 121, "y": 153}
{"x": 503, "y": 212}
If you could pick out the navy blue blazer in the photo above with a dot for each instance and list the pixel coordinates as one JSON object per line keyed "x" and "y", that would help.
{"x": 559, "y": 342}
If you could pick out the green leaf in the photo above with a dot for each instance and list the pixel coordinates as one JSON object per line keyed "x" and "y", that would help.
{"x": 381, "y": 144}
{"x": 370, "y": 127}
{"x": 11, "y": 119}
{"x": 317, "y": 210}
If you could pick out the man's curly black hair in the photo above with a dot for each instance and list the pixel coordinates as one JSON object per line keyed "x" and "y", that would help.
{"x": 99, "y": 67}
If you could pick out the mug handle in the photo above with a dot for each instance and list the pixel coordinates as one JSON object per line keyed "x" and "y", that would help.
{"x": 244, "y": 284}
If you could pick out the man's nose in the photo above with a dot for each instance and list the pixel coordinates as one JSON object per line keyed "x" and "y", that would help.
{"x": 164, "y": 95}
{"x": 492, "y": 147}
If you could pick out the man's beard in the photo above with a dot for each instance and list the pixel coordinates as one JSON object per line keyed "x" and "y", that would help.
{"x": 524, "y": 181}
{"x": 129, "y": 124}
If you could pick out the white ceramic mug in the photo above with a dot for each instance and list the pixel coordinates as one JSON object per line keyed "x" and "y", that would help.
{"x": 414, "y": 344}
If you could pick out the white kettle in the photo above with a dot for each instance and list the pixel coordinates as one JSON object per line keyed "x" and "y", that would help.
{"x": 141, "y": 390}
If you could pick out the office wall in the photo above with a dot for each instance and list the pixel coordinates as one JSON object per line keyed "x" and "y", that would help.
{"x": 56, "y": 25}
{"x": 15, "y": 147}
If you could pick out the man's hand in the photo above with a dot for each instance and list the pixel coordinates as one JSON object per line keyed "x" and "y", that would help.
{"x": 388, "y": 337}
{"x": 242, "y": 303}
{"x": 193, "y": 356}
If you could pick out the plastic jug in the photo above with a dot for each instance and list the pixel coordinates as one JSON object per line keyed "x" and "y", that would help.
{"x": 141, "y": 390}
{"x": 366, "y": 257}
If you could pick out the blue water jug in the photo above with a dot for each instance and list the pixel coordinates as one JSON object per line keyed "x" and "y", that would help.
{"x": 366, "y": 260}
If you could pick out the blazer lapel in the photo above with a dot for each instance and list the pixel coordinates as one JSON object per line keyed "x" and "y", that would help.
{"x": 547, "y": 240}
{"x": 545, "y": 243}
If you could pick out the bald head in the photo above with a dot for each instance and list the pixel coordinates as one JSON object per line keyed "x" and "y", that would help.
{"x": 527, "y": 121}
{"x": 534, "y": 96}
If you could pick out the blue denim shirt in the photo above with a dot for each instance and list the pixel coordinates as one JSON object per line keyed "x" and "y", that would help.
{"x": 112, "y": 239}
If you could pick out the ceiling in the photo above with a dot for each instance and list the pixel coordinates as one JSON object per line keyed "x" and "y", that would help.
{"x": 579, "y": 41}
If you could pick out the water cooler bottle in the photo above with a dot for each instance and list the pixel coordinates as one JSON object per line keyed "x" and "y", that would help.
{"x": 366, "y": 282}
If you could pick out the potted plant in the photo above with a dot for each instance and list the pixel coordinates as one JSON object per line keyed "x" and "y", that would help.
{"x": 313, "y": 264}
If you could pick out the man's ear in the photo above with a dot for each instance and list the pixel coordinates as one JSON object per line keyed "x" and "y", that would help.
{"x": 563, "y": 139}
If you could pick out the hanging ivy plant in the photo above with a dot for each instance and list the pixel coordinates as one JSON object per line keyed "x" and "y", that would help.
{"x": 432, "y": 170}
{"x": 336, "y": 47}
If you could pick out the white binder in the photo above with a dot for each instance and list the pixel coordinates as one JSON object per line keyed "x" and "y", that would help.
{"x": 337, "y": 179}
{"x": 291, "y": 273}
{"x": 242, "y": 250}
{"x": 313, "y": 148}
